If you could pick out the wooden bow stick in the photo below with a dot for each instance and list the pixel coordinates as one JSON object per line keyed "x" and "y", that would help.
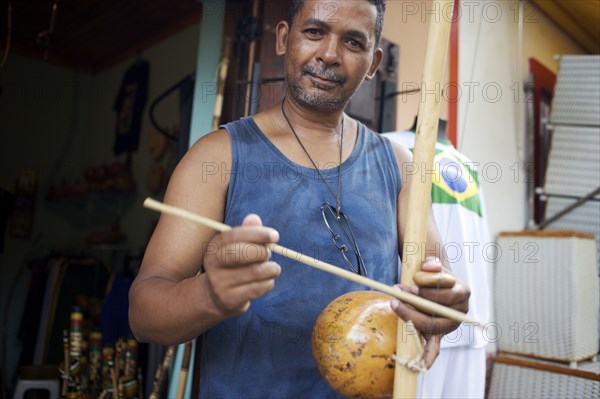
{"x": 414, "y": 300}
{"x": 405, "y": 379}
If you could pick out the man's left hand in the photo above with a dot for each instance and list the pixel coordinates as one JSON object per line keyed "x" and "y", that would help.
{"x": 431, "y": 326}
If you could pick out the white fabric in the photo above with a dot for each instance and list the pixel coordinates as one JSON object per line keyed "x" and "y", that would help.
{"x": 465, "y": 235}
{"x": 457, "y": 373}
{"x": 466, "y": 256}
{"x": 459, "y": 370}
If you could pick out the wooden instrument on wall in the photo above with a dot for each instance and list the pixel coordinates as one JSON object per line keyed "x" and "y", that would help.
{"x": 221, "y": 78}
{"x": 159, "y": 375}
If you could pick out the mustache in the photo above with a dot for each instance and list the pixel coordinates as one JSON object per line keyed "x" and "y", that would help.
{"x": 324, "y": 72}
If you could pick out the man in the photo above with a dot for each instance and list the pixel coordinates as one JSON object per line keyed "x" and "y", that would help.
{"x": 313, "y": 174}
{"x": 459, "y": 210}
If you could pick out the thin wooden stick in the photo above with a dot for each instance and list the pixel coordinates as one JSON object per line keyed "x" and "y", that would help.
{"x": 113, "y": 374}
{"x": 414, "y": 300}
{"x": 67, "y": 362}
{"x": 405, "y": 378}
{"x": 222, "y": 76}
{"x": 251, "y": 58}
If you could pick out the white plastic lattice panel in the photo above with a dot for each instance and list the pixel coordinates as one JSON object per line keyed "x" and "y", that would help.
{"x": 547, "y": 295}
{"x": 574, "y": 161}
{"x": 576, "y": 98}
{"x": 515, "y": 378}
{"x": 583, "y": 218}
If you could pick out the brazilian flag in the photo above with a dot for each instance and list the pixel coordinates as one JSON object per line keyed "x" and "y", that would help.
{"x": 454, "y": 182}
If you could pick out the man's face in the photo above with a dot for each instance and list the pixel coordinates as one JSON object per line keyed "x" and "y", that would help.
{"x": 329, "y": 52}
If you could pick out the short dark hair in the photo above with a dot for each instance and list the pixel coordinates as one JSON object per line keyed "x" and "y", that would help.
{"x": 380, "y": 4}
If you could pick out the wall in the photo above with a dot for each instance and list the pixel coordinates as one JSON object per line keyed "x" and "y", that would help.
{"x": 490, "y": 108}
{"x": 406, "y": 24}
{"x": 543, "y": 40}
{"x": 487, "y": 114}
{"x": 494, "y": 49}
{"x": 58, "y": 122}
{"x": 41, "y": 109}
{"x": 492, "y": 71}
{"x": 493, "y": 60}
{"x": 493, "y": 52}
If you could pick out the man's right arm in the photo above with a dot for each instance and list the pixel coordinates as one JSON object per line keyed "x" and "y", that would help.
{"x": 171, "y": 300}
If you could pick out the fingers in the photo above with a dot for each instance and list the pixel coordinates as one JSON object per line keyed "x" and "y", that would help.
{"x": 432, "y": 349}
{"x": 236, "y": 300}
{"x": 434, "y": 279}
{"x": 237, "y": 265}
{"x": 425, "y": 323}
{"x": 432, "y": 265}
{"x": 252, "y": 230}
{"x": 456, "y": 298}
{"x": 242, "y": 245}
{"x": 235, "y": 254}
{"x": 252, "y": 220}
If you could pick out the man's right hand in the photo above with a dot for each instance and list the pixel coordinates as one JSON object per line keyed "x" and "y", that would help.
{"x": 238, "y": 268}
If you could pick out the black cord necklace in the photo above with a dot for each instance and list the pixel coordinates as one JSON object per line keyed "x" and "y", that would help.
{"x": 338, "y": 204}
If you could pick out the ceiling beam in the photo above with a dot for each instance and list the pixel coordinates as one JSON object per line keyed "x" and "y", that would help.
{"x": 558, "y": 11}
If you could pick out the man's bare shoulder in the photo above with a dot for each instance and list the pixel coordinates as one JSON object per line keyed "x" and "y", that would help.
{"x": 402, "y": 153}
{"x": 213, "y": 146}
{"x": 203, "y": 164}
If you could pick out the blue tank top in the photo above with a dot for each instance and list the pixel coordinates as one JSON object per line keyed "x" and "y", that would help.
{"x": 266, "y": 352}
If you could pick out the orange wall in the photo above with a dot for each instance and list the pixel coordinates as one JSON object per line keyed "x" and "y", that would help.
{"x": 406, "y": 24}
{"x": 543, "y": 39}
